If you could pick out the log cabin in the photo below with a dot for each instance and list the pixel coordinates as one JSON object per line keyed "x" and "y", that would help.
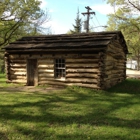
{"x": 95, "y": 60}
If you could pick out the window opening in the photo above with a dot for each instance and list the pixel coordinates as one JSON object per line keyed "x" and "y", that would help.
{"x": 60, "y": 68}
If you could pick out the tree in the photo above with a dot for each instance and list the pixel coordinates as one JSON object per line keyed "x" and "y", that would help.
{"x": 78, "y": 25}
{"x": 126, "y": 18}
{"x": 18, "y": 18}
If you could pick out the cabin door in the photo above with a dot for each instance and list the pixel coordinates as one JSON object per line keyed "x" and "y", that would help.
{"x": 32, "y": 77}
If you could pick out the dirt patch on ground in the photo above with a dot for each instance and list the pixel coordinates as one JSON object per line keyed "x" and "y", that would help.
{"x": 133, "y": 74}
{"x": 30, "y": 89}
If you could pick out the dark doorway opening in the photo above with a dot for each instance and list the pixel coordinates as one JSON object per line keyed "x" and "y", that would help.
{"x": 32, "y": 76}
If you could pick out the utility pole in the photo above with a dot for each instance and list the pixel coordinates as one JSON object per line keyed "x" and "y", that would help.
{"x": 88, "y": 15}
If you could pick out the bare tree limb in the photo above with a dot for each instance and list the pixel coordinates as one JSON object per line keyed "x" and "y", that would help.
{"x": 134, "y": 5}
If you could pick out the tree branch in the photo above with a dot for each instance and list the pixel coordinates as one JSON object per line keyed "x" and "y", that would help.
{"x": 134, "y": 5}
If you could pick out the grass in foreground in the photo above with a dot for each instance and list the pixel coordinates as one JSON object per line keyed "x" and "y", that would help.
{"x": 71, "y": 114}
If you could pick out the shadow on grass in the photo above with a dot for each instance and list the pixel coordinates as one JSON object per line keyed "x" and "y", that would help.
{"x": 83, "y": 107}
{"x": 3, "y": 136}
{"x": 71, "y": 106}
{"x": 130, "y": 86}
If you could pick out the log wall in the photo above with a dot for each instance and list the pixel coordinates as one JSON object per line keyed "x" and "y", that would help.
{"x": 15, "y": 69}
{"x": 114, "y": 65}
{"x": 81, "y": 69}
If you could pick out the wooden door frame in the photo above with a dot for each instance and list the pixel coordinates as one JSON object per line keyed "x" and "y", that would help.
{"x": 36, "y": 72}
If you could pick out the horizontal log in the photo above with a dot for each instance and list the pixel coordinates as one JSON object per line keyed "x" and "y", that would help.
{"x": 114, "y": 72}
{"x": 17, "y": 69}
{"x": 118, "y": 56}
{"x": 15, "y": 56}
{"x": 117, "y": 70}
{"x": 95, "y": 86}
{"x": 18, "y": 77}
{"x": 67, "y": 38}
{"x": 70, "y": 70}
{"x": 18, "y": 61}
{"x": 121, "y": 65}
{"x": 82, "y": 75}
{"x": 114, "y": 66}
{"x": 110, "y": 62}
{"x": 109, "y": 67}
{"x": 55, "y": 56}
{"x": 45, "y": 78}
{"x": 6, "y": 58}
{"x": 72, "y": 49}
{"x": 42, "y": 56}
{"x": 17, "y": 65}
{"x": 40, "y": 70}
{"x": 117, "y": 49}
{"x": 121, "y": 61}
{"x": 63, "y": 40}
{"x": 82, "y": 65}
{"x": 51, "y": 66}
{"x": 82, "y": 60}
{"x": 17, "y": 81}
{"x": 110, "y": 58}
{"x": 57, "y": 79}
{"x": 115, "y": 76}
{"x": 46, "y": 61}
{"x": 17, "y": 73}
{"x": 83, "y": 80}
{"x": 55, "y": 83}
{"x": 117, "y": 44}
{"x": 109, "y": 50}
{"x": 107, "y": 80}
{"x": 24, "y": 56}
{"x": 114, "y": 52}
{"x": 116, "y": 62}
{"x": 100, "y": 64}
{"x": 46, "y": 74}
{"x": 115, "y": 57}
{"x": 113, "y": 79}
{"x": 72, "y": 80}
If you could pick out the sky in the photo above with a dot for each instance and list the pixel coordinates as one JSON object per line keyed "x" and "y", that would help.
{"x": 63, "y": 14}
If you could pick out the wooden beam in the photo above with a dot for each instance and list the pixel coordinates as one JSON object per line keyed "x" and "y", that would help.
{"x": 94, "y": 70}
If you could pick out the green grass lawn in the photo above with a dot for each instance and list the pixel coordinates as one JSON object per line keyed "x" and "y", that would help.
{"x": 71, "y": 114}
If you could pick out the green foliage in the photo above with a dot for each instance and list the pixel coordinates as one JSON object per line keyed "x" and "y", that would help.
{"x": 78, "y": 25}
{"x": 73, "y": 113}
{"x": 126, "y": 18}
{"x": 19, "y": 18}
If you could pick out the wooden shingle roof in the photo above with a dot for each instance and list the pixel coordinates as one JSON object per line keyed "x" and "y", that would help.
{"x": 67, "y": 41}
